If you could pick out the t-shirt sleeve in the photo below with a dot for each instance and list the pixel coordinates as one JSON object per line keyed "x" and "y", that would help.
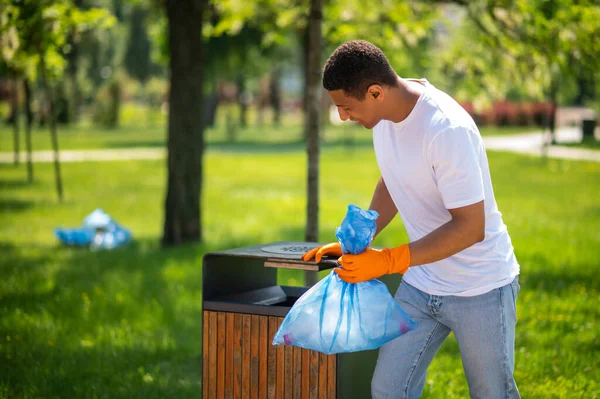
{"x": 454, "y": 155}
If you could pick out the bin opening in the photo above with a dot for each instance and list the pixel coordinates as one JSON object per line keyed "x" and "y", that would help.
{"x": 276, "y": 295}
{"x": 289, "y": 302}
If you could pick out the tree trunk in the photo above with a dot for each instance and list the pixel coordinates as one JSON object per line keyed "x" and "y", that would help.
{"x": 304, "y": 41}
{"x": 312, "y": 125}
{"x": 260, "y": 115}
{"x": 230, "y": 127}
{"x": 552, "y": 116}
{"x": 275, "y": 96}
{"x": 242, "y": 100}
{"x": 53, "y": 134}
{"x": 28, "y": 123}
{"x": 211, "y": 103}
{"x": 14, "y": 104}
{"x": 72, "y": 70}
{"x": 185, "y": 128}
{"x": 553, "y": 97}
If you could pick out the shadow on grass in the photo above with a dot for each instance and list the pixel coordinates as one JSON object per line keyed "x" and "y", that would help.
{"x": 135, "y": 144}
{"x": 16, "y": 184}
{"x": 539, "y": 274}
{"x": 291, "y": 146}
{"x": 121, "y": 324}
{"x": 11, "y": 205}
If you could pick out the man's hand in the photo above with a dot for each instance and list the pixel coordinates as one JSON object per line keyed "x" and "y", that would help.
{"x": 333, "y": 249}
{"x": 373, "y": 263}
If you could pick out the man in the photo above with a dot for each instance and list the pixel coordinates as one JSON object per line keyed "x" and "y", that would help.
{"x": 460, "y": 271}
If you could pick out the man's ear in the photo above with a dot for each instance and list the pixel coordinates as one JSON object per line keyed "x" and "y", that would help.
{"x": 375, "y": 92}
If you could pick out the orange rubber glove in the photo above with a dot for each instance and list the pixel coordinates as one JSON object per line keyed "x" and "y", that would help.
{"x": 333, "y": 249}
{"x": 373, "y": 263}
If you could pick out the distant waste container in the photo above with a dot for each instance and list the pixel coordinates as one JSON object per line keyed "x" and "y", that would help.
{"x": 588, "y": 126}
{"x": 243, "y": 307}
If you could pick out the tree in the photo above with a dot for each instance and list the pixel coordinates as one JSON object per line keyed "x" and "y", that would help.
{"x": 312, "y": 125}
{"x": 237, "y": 34}
{"x": 73, "y": 57}
{"x": 15, "y": 115}
{"x": 275, "y": 94}
{"x": 28, "y": 124}
{"x": 543, "y": 46}
{"x": 137, "y": 57}
{"x": 183, "y": 222}
{"x": 38, "y": 29}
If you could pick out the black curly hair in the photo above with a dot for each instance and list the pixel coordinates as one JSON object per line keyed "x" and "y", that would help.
{"x": 356, "y": 65}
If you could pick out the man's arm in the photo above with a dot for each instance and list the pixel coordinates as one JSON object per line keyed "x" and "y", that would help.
{"x": 466, "y": 228}
{"x": 382, "y": 203}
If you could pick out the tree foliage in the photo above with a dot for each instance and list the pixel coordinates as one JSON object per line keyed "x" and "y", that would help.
{"x": 32, "y": 29}
{"x": 539, "y": 46}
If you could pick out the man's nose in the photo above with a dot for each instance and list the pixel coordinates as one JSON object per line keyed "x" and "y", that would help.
{"x": 343, "y": 114}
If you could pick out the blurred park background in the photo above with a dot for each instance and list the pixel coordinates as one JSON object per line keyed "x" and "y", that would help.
{"x": 201, "y": 125}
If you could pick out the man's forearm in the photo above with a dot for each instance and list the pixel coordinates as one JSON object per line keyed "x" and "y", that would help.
{"x": 382, "y": 203}
{"x": 449, "y": 239}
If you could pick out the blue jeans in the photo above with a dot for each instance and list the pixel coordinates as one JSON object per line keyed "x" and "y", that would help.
{"x": 484, "y": 326}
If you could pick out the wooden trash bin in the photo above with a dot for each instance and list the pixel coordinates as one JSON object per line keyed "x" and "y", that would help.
{"x": 243, "y": 307}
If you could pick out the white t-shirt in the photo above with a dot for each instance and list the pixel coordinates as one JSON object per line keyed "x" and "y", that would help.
{"x": 432, "y": 161}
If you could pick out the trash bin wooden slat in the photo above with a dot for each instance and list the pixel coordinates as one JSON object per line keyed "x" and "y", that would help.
{"x": 205, "y": 354}
{"x": 221, "y": 329}
{"x": 280, "y": 366}
{"x": 331, "y": 377}
{"x": 272, "y": 359}
{"x": 305, "y": 375}
{"x": 246, "y": 319}
{"x": 314, "y": 375}
{"x": 254, "y": 342}
{"x": 229, "y": 342}
{"x": 212, "y": 355}
{"x": 263, "y": 348}
{"x": 297, "y": 373}
{"x": 237, "y": 356}
{"x": 323, "y": 376}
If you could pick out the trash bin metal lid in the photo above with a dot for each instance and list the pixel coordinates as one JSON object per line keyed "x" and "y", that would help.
{"x": 288, "y": 248}
{"x": 287, "y": 254}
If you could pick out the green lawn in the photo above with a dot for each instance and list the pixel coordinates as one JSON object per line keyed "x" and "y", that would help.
{"x": 126, "y": 324}
{"x": 590, "y": 143}
{"x": 138, "y": 129}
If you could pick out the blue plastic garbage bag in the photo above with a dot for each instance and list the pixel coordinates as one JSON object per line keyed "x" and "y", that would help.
{"x": 80, "y": 237}
{"x": 335, "y": 316}
{"x": 99, "y": 231}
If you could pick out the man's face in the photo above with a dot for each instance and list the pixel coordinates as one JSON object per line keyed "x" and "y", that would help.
{"x": 363, "y": 112}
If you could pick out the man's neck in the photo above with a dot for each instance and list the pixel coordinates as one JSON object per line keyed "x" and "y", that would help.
{"x": 402, "y": 100}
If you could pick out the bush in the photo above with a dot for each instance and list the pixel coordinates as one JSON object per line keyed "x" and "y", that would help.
{"x": 507, "y": 113}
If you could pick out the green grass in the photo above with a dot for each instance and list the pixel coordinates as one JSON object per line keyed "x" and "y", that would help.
{"x": 142, "y": 129}
{"x": 126, "y": 324}
{"x": 491, "y": 130}
{"x": 590, "y": 143}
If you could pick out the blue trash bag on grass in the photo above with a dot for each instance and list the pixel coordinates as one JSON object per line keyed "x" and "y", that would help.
{"x": 98, "y": 231}
{"x": 335, "y": 316}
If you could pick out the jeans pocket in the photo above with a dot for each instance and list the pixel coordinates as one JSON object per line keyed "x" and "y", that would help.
{"x": 515, "y": 287}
